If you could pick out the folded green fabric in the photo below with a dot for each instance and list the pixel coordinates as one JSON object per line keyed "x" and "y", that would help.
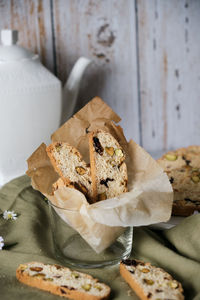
{"x": 28, "y": 238}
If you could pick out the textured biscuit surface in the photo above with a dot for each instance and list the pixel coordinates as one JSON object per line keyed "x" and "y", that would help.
{"x": 150, "y": 282}
{"x": 108, "y": 169}
{"x": 183, "y": 169}
{"x": 62, "y": 281}
{"x": 73, "y": 170}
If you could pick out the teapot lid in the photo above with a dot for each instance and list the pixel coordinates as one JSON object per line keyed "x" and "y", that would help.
{"x": 9, "y": 51}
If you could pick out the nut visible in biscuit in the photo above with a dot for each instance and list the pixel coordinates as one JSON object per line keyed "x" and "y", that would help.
{"x": 148, "y": 281}
{"x": 119, "y": 152}
{"x": 87, "y": 287}
{"x": 80, "y": 170}
{"x": 171, "y": 157}
{"x": 109, "y": 150}
{"x": 195, "y": 178}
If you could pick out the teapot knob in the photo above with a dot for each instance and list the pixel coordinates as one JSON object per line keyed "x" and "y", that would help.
{"x": 9, "y": 37}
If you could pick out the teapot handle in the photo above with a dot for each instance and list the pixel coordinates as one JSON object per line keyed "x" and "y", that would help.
{"x": 71, "y": 88}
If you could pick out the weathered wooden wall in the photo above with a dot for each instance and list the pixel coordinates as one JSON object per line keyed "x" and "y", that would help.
{"x": 145, "y": 52}
{"x": 169, "y": 51}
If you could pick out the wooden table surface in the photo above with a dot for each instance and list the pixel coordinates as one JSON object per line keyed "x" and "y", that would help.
{"x": 146, "y": 57}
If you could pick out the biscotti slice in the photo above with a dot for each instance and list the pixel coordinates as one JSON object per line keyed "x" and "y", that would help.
{"x": 185, "y": 208}
{"x": 183, "y": 169}
{"x": 189, "y": 156}
{"x": 108, "y": 169}
{"x": 150, "y": 282}
{"x": 73, "y": 170}
{"x": 186, "y": 185}
{"x": 62, "y": 281}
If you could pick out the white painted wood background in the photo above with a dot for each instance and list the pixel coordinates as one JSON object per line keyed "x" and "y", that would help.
{"x": 146, "y": 57}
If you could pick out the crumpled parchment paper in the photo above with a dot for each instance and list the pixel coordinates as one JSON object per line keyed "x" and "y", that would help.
{"x": 150, "y": 195}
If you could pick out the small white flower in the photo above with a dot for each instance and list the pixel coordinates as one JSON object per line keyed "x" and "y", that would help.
{"x": 1, "y": 242}
{"x": 9, "y": 215}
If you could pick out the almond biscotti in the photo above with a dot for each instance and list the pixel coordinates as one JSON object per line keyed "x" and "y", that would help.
{"x": 183, "y": 169}
{"x": 108, "y": 169}
{"x": 73, "y": 170}
{"x": 62, "y": 281}
{"x": 150, "y": 282}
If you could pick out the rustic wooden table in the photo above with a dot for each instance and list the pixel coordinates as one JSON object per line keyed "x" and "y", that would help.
{"x": 145, "y": 52}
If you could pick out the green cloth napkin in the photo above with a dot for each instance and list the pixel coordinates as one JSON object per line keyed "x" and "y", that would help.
{"x": 28, "y": 238}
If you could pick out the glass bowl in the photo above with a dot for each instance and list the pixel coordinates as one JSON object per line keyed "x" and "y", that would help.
{"x": 72, "y": 249}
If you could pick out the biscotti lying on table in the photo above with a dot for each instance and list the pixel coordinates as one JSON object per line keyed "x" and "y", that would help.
{"x": 105, "y": 177}
{"x": 150, "y": 282}
{"x": 62, "y": 281}
{"x": 183, "y": 169}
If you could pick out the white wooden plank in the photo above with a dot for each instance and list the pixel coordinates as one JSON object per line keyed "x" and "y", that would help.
{"x": 33, "y": 20}
{"x": 169, "y": 51}
{"x": 105, "y": 32}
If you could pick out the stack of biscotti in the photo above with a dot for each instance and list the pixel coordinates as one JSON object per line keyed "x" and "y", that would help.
{"x": 62, "y": 281}
{"x": 105, "y": 177}
{"x": 150, "y": 282}
{"x": 183, "y": 169}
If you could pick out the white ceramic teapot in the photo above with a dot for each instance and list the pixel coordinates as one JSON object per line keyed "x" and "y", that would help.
{"x": 32, "y": 103}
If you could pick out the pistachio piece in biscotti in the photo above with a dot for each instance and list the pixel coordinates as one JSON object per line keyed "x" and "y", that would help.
{"x": 119, "y": 152}
{"x": 75, "y": 275}
{"x": 22, "y": 268}
{"x": 171, "y": 157}
{"x": 195, "y": 178}
{"x": 173, "y": 284}
{"x": 98, "y": 287}
{"x": 86, "y": 287}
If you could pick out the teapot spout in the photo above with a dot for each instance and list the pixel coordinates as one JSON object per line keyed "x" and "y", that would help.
{"x": 71, "y": 88}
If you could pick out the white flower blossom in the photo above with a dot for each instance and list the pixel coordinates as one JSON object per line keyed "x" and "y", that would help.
{"x": 9, "y": 215}
{"x": 1, "y": 242}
